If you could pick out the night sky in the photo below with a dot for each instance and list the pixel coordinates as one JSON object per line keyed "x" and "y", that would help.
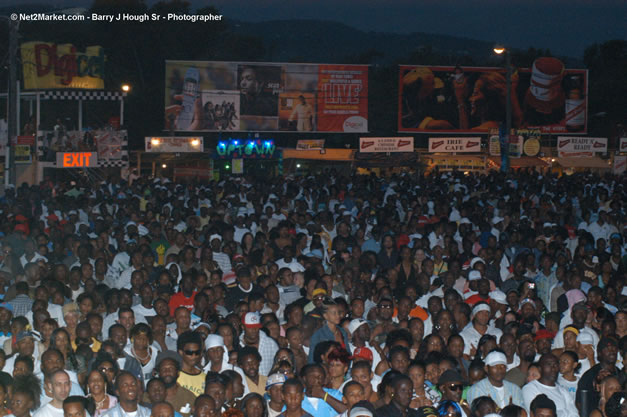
{"x": 566, "y": 27}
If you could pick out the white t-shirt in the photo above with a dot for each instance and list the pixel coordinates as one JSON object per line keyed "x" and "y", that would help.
{"x": 569, "y": 386}
{"x": 48, "y": 411}
{"x": 559, "y": 395}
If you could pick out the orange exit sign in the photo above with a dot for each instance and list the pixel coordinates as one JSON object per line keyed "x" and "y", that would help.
{"x": 77, "y": 159}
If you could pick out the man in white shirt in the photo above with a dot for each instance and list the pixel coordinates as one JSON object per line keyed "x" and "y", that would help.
{"x": 479, "y": 327}
{"x": 74, "y": 406}
{"x": 59, "y": 386}
{"x": 547, "y": 384}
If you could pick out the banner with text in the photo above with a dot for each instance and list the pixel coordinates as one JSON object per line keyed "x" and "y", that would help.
{"x": 450, "y": 145}
{"x": 622, "y": 145}
{"x": 310, "y": 144}
{"x": 440, "y": 99}
{"x": 386, "y": 144}
{"x": 571, "y": 147}
{"x": 54, "y": 66}
{"x": 241, "y": 96}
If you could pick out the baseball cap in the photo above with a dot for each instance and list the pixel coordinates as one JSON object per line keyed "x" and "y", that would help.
{"x": 450, "y": 376}
{"x": 474, "y": 275}
{"x": 495, "y": 358}
{"x": 6, "y": 306}
{"x": 23, "y": 335}
{"x": 605, "y": 342}
{"x": 498, "y": 296}
{"x": 360, "y": 412}
{"x": 585, "y": 338}
{"x": 252, "y": 321}
{"x": 363, "y": 353}
{"x": 168, "y": 354}
{"x": 275, "y": 379}
{"x": 544, "y": 334}
{"x": 356, "y": 324}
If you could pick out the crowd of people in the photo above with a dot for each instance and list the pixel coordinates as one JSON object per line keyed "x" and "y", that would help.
{"x": 319, "y": 295}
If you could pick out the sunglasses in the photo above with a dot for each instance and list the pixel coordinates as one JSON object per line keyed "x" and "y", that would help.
{"x": 456, "y": 387}
{"x": 385, "y": 306}
{"x": 103, "y": 369}
{"x": 192, "y": 352}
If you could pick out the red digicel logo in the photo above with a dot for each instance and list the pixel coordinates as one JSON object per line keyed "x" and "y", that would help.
{"x": 563, "y": 143}
{"x": 598, "y": 145}
{"x": 402, "y": 142}
{"x": 471, "y": 144}
{"x": 365, "y": 144}
{"x": 437, "y": 144}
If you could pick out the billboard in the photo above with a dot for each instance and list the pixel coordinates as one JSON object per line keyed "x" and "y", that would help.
{"x": 174, "y": 144}
{"x": 240, "y": 96}
{"x": 547, "y": 96}
{"x": 570, "y": 147}
{"x": 386, "y": 144}
{"x": 54, "y": 66}
{"x": 450, "y": 145}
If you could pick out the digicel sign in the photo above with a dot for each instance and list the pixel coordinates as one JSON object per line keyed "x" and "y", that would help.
{"x": 77, "y": 159}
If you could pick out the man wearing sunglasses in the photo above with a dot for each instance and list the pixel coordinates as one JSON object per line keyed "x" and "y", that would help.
{"x": 503, "y": 392}
{"x": 451, "y": 385}
{"x": 189, "y": 346}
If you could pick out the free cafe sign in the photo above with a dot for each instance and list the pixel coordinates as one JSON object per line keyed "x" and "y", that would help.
{"x": 56, "y": 66}
{"x": 458, "y": 145}
{"x": 77, "y": 160}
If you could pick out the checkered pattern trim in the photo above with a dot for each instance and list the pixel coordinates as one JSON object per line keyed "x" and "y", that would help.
{"x": 82, "y": 95}
{"x": 114, "y": 163}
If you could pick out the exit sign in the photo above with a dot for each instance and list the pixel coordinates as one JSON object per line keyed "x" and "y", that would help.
{"x": 77, "y": 159}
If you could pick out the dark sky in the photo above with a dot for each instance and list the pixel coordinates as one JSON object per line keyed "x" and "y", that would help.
{"x": 564, "y": 26}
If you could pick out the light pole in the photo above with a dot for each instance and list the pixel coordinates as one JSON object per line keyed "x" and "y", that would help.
{"x": 500, "y": 50}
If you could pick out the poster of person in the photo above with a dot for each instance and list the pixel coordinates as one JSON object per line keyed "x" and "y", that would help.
{"x": 297, "y": 112}
{"x": 547, "y": 96}
{"x": 221, "y": 110}
{"x": 259, "y": 87}
{"x": 270, "y": 96}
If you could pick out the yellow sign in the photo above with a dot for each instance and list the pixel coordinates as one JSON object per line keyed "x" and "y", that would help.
{"x": 531, "y": 147}
{"x": 48, "y": 65}
{"x": 22, "y": 154}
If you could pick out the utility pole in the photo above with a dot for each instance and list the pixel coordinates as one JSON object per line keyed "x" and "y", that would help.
{"x": 9, "y": 170}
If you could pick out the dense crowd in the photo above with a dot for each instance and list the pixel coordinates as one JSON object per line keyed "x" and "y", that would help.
{"x": 322, "y": 295}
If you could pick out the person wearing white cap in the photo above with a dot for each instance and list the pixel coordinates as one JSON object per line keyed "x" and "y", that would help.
{"x": 360, "y": 335}
{"x": 480, "y": 326}
{"x": 494, "y": 385}
{"x": 221, "y": 258}
{"x": 218, "y": 359}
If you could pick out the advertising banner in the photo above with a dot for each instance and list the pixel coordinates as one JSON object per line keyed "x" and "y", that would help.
{"x": 26, "y": 140}
{"x": 622, "y": 145}
{"x": 310, "y": 144}
{"x": 571, "y": 147}
{"x": 240, "y": 96}
{"x": 23, "y": 154}
{"x": 59, "y": 66}
{"x": 459, "y": 145}
{"x": 620, "y": 164}
{"x": 521, "y": 140}
{"x": 438, "y": 99}
{"x": 109, "y": 144}
{"x": 386, "y": 144}
{"x": 174, "y": 144}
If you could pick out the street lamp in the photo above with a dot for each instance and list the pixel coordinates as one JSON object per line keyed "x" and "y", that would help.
{"x": 504, "y": 136}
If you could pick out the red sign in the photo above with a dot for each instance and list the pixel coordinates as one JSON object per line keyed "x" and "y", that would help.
{"x": 343, "y": 98}
{"x": 77, "y": 159}
{"x": 26, "y": 140}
